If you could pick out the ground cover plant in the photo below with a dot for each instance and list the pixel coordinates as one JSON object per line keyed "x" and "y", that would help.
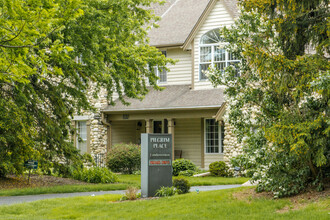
{"x": 239, "y": 203}
{"x": 166, "y": 191}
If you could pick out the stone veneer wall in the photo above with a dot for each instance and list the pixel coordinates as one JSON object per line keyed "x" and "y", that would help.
{"x": 98, "y": 132}
{"x": 231, "y": 147}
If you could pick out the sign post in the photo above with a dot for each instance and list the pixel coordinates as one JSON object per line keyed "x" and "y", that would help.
{"x": 31, "y": 164}
{"x": 156, "y": 163}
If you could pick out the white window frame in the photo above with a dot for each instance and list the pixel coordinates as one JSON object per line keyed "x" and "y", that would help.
{"x": 164, "y": 71}
{"x": 219, "y": 138}
{"x": 227, "y": 61}
{"x": 78, "y": 119}
{"x": 158, "y": 73}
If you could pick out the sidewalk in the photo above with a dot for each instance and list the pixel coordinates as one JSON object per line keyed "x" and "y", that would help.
{"x": 8, "y": 200}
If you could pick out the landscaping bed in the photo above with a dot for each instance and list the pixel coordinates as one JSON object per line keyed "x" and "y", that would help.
{"x": 14, "y": 182}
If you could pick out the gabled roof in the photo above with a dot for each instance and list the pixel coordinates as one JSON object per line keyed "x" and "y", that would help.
{"x": 180, "y": 17}
{"x": 173, "y": 97}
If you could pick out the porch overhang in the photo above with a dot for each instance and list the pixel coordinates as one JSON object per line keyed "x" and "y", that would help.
{"x": 173, "y": 98}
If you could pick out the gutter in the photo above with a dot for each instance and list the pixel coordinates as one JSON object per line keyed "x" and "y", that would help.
{"x": 160, "y": 109}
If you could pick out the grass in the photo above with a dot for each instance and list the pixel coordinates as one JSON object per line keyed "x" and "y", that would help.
{"x": 205, "y": 205}
{"x": 194, "y": 181}
{"x": 124, "y": 182}
{"x": 63, "y": 189}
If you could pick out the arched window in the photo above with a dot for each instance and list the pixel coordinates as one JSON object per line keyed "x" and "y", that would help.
{"x": 211, "y": 53}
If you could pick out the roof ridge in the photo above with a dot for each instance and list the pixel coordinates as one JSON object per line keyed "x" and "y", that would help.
{"x": 169, "y": 8}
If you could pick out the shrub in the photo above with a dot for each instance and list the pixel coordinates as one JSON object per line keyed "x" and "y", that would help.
{"x": 124, "y": 158}
{"x": 182, "y": 185}
{"x": 182, "y": 165}
{"x": 186, "y": 173}
{"x": 166, "y": 191}
{"x": 95, "y": 175}
{"x": 219, "y": 168}
{"x": 131, "y": 194}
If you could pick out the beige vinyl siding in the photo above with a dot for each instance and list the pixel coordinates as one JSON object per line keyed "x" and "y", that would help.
{"x": 218, "y": 17}
{"x": 180, "y": 73}
{"x": 187, "y": 138}
{"x": 210, "y": 158}
{"x": 123, "y": 132}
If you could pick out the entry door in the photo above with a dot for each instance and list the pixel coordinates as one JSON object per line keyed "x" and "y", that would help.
{"x": 160, "y": 127}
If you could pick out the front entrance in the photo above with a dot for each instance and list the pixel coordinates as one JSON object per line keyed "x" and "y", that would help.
{"x": 160, "y": 126}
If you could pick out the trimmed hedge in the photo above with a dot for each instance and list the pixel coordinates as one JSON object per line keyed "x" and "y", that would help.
{"x": 124, "y": 158}
{"x": 182, "y": 185}
{"x": 95, "y": 175}
{"x": 219, "y": 168}
{"x": 182, "y": 165}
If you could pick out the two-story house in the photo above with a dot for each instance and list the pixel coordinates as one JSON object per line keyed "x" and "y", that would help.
{"x": 189, "y": 107}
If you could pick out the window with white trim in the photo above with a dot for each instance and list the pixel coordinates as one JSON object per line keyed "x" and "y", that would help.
{"x": 213, "y": 136}
{"x": 81, "y": 137}
{"x": 212, "y": 53}
{"x": 161, "y": 72}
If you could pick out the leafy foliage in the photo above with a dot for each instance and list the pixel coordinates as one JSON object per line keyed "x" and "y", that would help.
{"x": 166, "y": 191}
{"x": 125, "y": 158}
{"x": 95, "y": 175}
{"x": 182, "y": 185}
{"x": 182, "y": 165}
{"x": 51, "y": 52}
{"x": 279, "y": 106}
{"x": 219, "y": 168}
{"x": 186, "y": 173}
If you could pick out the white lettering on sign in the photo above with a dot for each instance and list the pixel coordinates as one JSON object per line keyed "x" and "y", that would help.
{"x": 160, "y": 139}
{"x": 159, "y": 146}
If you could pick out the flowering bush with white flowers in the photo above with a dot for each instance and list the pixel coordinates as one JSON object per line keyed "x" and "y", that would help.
{"x": 279, "y": 104}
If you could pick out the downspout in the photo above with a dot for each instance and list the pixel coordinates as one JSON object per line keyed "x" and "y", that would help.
{"x": 104, "y": 120}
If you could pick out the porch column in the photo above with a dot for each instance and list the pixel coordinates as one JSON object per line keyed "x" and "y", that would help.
{"x": 148, "y": 126}
{"x": 171, "y": 131}
{"x": 109, "y": 138}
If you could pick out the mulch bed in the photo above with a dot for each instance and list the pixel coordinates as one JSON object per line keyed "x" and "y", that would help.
{"x": 18, "y": 182}
{"x": 298, "y": 201}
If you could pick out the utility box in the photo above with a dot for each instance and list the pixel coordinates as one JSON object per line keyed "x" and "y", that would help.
{"x": 156, "y": 163}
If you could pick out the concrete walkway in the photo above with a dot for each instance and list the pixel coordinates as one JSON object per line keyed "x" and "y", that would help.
{"x": 8, "y": 200}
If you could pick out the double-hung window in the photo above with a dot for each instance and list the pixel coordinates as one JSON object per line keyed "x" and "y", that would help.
{"x": 161, "y": 72}
{"x": 81, "y": 137}
{"x": 212, "y": 53}
{"x": 214, "y": 136}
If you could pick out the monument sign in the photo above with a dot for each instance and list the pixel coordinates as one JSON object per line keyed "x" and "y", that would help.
{"x": 156, "y": 163}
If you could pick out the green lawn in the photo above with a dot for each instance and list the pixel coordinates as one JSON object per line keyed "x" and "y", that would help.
{"x": 63, "y": 189}
{"x": 124, "y": 182}
{"x": 194, "y": 181}
{"x": 205, "y": 205}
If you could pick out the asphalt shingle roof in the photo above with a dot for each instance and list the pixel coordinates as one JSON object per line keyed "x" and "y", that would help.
{"x": 172, "y": 97}
{"x": 178, "y": 18}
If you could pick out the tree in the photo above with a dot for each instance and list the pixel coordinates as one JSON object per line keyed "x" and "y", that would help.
{"x": 50, "y": 53}
{"x": 279, "y": 106}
